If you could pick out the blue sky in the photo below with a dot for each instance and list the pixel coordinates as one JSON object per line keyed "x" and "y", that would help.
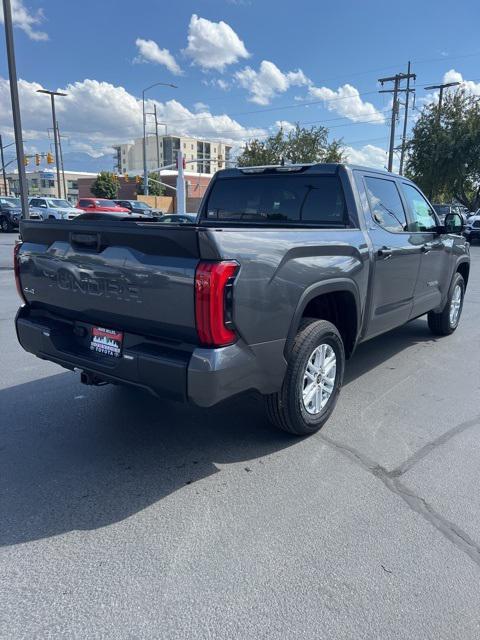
{"x": 242, "y": 66}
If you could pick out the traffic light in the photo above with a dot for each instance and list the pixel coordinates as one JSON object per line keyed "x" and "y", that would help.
{"x": 37, "y": 159}
{"x": 25, "y": 160}
{"x": 126, "y": 177}
{"x": 138, "y": 179}
{"x": 184, "y": 164}
{"x": 50, "y": 159}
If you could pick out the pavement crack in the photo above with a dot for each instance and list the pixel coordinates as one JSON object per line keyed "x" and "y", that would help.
{"x": 448, "y": 529}
{"x": 409, "y": 463}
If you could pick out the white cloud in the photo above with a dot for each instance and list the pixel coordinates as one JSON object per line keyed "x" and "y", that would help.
{"x": 468, "y": 85}
{"x": 224, "y": 85}
{"x": 213, "y": 45}
{"x": 200, "y": 106}
{"x": 96, "y": 115}
{"x": 26, "y": 20}
{"x": 369, "y": 155}
{"x": 149, "y": 51}
{"x": 268, "y": 81}
{"x": 347, "y": 102}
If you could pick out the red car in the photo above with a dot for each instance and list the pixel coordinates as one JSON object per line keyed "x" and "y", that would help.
{"x": 100, "y": 205}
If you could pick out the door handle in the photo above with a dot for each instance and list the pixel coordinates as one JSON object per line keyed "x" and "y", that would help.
{"x": 428, "y": 246}
{"x": 385, "y": 253}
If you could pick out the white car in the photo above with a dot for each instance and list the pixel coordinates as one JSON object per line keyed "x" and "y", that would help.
{"x": 471, "y": 230}
{"x": 52, "y": 209}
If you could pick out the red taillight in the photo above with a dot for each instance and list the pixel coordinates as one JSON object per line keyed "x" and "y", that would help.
{"x": 16, "y": 270}
{"x": 213, "y": 282}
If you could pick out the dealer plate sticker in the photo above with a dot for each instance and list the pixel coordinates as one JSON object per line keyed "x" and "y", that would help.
{"x": 108, "y": 342}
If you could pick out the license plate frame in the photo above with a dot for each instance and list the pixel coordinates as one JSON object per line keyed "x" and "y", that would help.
{"x": 106, "y": 342}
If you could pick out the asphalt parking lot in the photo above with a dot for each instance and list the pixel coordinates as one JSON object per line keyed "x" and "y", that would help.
{"x": 122, "y": 516}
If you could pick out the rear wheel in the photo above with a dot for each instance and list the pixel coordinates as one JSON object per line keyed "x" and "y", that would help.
{"x": 445, "y": 322}
{"x": 313, "y": 380}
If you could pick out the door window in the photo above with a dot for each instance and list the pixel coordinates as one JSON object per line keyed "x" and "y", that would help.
{"x": 423, "y": 217}
{"x": 385, "y": 204}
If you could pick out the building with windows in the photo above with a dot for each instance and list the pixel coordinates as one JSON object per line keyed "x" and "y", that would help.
{"x": 43, "y": 183}
{"x": 202, "y": 156}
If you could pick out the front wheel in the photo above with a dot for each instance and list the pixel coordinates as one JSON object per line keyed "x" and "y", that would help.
{"x": 312, "y": 382}
{"x": 445, "y": 322}
{"x": 4, "y": 226}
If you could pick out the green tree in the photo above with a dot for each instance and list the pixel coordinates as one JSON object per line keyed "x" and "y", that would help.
{"x": 444, "y": 152}
{"x": 105, "y": 185}
{"x": 154, "y": 189}
{"x": 300, "y": 145}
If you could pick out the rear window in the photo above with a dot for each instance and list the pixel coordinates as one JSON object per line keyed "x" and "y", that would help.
{"x": 301, "y": 199}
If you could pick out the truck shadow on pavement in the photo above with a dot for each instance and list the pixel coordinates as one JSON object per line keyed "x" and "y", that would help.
{"x": 80, "y": 458}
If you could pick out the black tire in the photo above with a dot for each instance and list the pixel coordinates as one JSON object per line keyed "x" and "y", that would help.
{"x": 4, "y": 225}
{"x": 440, "y": 323}
{"x": 286, "y": 409}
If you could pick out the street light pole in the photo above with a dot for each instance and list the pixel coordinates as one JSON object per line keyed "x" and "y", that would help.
{"x": 17, "y": 122}
{"x": 52, "y": 95}
{"x": 3, "y": 167}
{"x": 145, "y": 170}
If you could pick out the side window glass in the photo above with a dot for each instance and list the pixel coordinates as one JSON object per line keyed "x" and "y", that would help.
{"x": 385, "y": 204}
{"x": 423, "y": 218}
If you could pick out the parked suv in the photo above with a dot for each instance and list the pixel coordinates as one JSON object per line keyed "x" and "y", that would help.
{"x": 52, "y": 209}
{"x": 284, "y": 272}
{"x": 472, "y": 228}
{"x": 100, "y": 205}
{"x": 10, "y": 213}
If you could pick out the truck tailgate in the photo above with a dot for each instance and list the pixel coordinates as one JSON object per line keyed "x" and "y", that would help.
{"x": 121, "y": 275}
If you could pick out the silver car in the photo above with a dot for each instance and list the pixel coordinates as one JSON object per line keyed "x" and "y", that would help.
{"x": 52, "y": 209}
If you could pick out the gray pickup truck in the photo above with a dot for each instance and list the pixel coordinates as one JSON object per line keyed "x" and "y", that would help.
{"x": 285, "y": 271}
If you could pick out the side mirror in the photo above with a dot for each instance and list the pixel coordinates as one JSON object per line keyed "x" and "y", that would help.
{"x": 453, "y": 223}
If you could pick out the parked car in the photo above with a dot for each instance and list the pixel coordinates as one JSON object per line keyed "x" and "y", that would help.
{"x": 136, "y": 206}
{"x": 285, "y": 272}
{"x": 94, "y": 205}
{"x": 472, "y": 228}
{"x": 444, "y": 209}
{"x": 10, "y": 213}
{"x": 52, "y": 209}
{"x": 179, "y": 218}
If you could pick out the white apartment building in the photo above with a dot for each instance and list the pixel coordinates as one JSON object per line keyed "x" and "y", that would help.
{"x": 204, "y": 156}
{"x": 43, "y": 182}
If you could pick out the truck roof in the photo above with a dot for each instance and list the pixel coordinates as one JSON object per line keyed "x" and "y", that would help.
{"x": 316, "y": 167}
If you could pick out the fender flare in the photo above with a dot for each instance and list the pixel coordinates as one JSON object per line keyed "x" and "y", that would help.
{"x": 333, "y": 285}
{"x": 461, "y": 260}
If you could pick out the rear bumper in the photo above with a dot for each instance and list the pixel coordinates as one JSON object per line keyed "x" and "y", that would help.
{"x": 202, "y": 376}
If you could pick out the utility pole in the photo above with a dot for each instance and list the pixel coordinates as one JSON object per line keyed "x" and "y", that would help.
{"x": 405, "y": 121}
{"x": 441, "y": 88}
{"x": 3, "y": 167}
{"x": 52, "y": 95}
{"x": 145, "y": 171}
{"x": 61, "y": 162}
{"x": 396, "y": 79}
{"x": 17, "y": 122}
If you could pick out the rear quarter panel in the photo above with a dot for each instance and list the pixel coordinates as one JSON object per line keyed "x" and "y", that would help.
{"x": 277, "y": 267}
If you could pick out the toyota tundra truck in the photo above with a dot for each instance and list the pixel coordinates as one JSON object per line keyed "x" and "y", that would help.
{"x": 284, "y": 272}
